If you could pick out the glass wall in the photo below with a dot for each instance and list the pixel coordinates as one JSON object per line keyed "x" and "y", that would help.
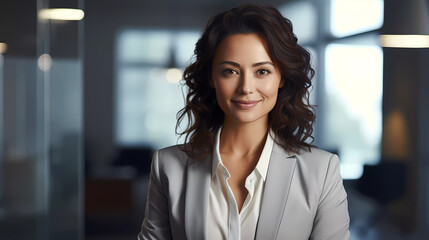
{"x": 41, "y": 170}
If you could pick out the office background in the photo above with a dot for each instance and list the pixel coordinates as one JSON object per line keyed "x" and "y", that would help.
{"x": 87, "y": 95}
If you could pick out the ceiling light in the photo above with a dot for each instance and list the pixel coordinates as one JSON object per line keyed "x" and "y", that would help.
{"x": 174, "y": 75}
{"x": 406, "y": 24}
{"x": 61, "y": 14}
{"x": 44, "y": 62}
{"x": 404, "y": 41}
{"x": 3, "y": 48}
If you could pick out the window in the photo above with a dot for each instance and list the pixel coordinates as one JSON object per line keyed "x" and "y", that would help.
{"x": 353, "y": 97}
{"x": 348, "y": 87}
{"x": 350, "y": 17}
{"x": 353, "y": 84}
{"x": 149, "y": 67}
{"x": 303, "y": 16}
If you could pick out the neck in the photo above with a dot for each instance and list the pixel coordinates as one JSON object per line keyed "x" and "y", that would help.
{"x": 243, "y": 139}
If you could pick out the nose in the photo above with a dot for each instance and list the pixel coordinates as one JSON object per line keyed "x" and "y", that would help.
{"x": 246, "y": 84}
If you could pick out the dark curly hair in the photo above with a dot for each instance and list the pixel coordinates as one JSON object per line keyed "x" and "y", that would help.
{"x": 292, "y": 117}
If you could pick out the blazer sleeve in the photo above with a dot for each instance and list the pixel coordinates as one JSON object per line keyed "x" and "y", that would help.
{"x": 332, "y": 218}
{"x": 156, "y": 224}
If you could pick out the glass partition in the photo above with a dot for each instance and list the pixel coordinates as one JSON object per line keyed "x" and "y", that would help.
{"x": 41, "y": 170}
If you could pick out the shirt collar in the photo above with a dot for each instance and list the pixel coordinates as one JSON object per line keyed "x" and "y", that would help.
{"x": 264, "y": 159}
{"x": 263, "y": 162}
{"x": 216, "y": 153}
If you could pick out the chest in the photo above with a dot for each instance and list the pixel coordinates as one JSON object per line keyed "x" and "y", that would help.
{"x": 230, "y": 217}
{"x": 239, "y": 171}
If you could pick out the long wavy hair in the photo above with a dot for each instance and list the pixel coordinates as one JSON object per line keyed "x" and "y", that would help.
{"x": 292, "y": 117}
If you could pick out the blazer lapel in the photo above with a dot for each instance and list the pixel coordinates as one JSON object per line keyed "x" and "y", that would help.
{"x": 196, "y": 201}
{"x": 278, "y": 181}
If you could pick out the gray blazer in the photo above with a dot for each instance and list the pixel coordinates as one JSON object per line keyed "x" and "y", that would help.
{"x": 304, "y": 197}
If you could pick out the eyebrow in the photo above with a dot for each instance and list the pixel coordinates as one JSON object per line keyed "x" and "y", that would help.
{"x": 253, "y": 65}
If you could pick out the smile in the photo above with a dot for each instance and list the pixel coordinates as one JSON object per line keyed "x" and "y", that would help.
{"x": 245, "y": 104}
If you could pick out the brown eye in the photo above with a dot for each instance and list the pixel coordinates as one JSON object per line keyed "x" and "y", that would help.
{"x": 263, "y": 72}
{"x": 229, "y": 71}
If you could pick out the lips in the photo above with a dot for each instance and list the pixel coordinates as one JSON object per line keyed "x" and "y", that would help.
{"x": 245, "y": 104}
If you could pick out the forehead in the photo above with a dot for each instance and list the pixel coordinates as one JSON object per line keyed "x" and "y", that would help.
{"x": 248, "y": 47}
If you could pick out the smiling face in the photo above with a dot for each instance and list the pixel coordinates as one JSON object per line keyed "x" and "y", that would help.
{"x": 245, "y": 78}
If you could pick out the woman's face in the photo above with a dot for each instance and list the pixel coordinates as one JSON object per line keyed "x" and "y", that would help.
{"x": 245, "y": 78}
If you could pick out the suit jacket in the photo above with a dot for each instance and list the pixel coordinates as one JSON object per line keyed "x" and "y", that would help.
{"x": 303, "y": 197}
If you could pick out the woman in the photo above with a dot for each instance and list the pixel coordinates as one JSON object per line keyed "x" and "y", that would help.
{"x": 247, "y": 170}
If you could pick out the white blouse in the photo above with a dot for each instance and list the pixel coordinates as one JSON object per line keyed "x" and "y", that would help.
{"x": 223, "y": 219}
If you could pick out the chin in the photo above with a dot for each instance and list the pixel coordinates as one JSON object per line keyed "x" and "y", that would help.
{"x": 248, "y": 118}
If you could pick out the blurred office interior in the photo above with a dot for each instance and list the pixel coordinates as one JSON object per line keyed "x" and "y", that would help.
{"x": 89, "y": 89}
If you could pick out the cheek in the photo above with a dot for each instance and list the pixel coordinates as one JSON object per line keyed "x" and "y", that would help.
{"x": 270, "y": 90}
{"x": 224, "y": 89}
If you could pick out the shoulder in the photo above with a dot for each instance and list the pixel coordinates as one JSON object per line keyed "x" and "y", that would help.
{"x": 170, "y": 159}
{"x": 320, "y": 170}
{"x": 319, "y": 159}
{"x": 316, "y": 156}
{"x": 316, "y": 162}
{"x": 172, "y": 152}
{"x": 313, "y": 156}
{"x": 320, "y": 167}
